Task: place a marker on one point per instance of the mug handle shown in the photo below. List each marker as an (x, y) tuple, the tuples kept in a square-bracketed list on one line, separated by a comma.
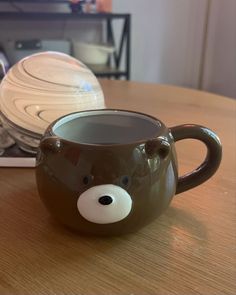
[(211, 162)]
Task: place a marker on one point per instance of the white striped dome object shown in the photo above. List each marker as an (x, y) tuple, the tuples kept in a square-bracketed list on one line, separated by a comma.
[(41, 88)]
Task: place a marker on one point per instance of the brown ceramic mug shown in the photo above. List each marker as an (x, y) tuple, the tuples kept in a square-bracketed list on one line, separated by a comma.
[(109, 172)]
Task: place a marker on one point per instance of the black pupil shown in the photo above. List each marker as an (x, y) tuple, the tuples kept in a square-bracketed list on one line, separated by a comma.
[(105, 200), (86, 180)]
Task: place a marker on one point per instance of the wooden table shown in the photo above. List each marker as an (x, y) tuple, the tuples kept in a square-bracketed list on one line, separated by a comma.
[(190, 249)]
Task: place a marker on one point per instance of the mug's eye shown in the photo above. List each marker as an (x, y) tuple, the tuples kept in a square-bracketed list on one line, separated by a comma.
[(125, 181), (104, 204), (87, 179)]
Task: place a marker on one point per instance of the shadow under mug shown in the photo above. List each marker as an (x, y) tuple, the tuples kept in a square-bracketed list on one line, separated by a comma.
[(110, 172)]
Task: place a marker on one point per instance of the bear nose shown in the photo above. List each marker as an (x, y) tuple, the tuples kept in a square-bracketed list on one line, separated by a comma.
[(105, 200)]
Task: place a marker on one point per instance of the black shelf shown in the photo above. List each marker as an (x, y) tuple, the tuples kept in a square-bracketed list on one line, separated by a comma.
[(122, 48), (17, 15)]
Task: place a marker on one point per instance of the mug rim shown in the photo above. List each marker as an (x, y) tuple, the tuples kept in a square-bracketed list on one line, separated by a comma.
[(160, 130)]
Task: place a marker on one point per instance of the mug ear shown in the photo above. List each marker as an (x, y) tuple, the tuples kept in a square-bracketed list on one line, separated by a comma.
[(50, 145), (157, 147)]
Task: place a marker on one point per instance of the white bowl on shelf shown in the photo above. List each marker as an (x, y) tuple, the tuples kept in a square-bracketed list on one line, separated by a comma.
[(92, 54)]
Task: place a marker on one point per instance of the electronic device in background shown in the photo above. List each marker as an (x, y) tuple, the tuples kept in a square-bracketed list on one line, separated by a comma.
[(16, 50)]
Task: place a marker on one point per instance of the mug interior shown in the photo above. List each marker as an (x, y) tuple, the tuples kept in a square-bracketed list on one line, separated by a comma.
[(106, 127)]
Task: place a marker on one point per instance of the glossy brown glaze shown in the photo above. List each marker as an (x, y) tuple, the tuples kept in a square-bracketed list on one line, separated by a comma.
[(66, 169), (212, 160)]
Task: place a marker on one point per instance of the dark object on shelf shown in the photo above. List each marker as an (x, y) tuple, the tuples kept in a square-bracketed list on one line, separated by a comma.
[(77, 7), (19, 49), (28, 45), (113, 68), (83, 6)]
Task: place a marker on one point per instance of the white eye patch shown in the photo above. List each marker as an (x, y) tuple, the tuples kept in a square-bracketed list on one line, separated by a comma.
[(104, 204)]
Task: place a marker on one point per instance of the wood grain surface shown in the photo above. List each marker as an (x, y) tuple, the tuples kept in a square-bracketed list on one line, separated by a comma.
[(190, 249)]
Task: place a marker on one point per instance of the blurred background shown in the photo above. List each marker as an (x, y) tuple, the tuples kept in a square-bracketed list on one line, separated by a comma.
[(184, 43)]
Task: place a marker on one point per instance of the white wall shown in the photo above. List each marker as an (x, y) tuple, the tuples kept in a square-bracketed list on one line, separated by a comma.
[(168, 43), (167, 39), (220, 62)]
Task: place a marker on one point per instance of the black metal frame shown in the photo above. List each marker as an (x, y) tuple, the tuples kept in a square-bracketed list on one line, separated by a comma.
[(124, 44), (125, 36)]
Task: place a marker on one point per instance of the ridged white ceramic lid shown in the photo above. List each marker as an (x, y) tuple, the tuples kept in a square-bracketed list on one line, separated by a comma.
[(44, 86)]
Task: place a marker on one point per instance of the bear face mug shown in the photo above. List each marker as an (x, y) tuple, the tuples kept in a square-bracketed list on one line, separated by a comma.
[(111, 172)]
